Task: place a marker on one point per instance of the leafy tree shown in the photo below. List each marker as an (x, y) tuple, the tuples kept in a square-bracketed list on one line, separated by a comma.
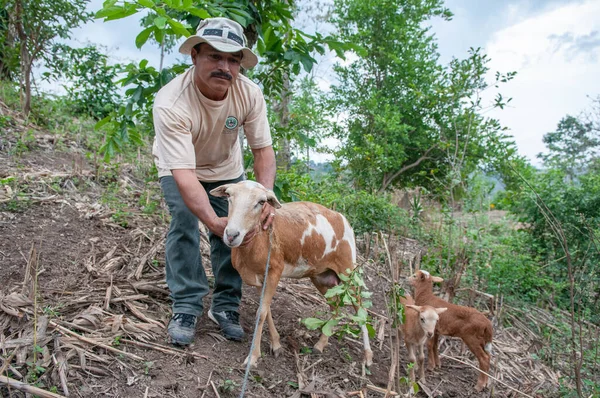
[(37, 24), (268, 24), (571, 146), (411, 121), (307, 120), (9, 61), (91, 86)]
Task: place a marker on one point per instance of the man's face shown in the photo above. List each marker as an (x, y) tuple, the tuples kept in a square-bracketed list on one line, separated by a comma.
[(215, 71)]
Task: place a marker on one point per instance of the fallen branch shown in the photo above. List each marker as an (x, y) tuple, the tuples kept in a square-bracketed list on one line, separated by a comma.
[(19, 385), (487, 374), (95, 343), (388, 393)]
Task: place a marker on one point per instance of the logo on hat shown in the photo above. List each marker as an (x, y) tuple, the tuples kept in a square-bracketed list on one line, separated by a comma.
[(231, 122), (224, 35)]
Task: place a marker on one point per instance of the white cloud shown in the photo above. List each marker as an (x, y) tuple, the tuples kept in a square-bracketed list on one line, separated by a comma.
[(556, 57)]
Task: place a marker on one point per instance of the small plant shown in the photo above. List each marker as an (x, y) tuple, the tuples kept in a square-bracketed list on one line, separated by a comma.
[(116, 341), (227, 386), (352, 291), (147, 366)]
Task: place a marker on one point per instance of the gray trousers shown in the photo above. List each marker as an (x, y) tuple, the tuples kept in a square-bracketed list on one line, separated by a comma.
[(185, 274)]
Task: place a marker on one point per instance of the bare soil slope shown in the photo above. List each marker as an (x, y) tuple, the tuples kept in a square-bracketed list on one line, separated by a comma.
[(89, 279)]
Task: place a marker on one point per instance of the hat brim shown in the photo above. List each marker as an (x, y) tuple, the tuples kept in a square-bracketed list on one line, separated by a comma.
[(249, 59)]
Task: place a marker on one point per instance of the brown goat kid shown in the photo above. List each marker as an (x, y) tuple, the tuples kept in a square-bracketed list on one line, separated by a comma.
[(419, 326), (458, 321), (308, 241)]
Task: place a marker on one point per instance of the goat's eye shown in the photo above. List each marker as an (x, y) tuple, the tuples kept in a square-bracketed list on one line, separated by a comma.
[(422, 320), (261, 202)]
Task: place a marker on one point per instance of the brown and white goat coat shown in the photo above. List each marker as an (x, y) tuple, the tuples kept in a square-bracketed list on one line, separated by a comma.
[(308, 241)]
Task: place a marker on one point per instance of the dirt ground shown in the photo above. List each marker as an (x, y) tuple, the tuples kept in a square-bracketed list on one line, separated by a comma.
[(87, 270)]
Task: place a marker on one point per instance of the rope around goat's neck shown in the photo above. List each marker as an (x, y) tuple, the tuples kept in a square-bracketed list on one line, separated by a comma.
[(260, 303)]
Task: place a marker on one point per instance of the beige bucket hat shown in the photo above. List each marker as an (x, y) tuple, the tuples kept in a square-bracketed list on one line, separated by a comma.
[(224, 35)]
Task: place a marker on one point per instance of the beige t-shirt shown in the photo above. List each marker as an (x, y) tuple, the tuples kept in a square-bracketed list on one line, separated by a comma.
[(194, 132)]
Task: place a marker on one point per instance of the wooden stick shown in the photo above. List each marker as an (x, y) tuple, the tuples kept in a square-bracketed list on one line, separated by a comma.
[(487, 374), (215, 389), (7, 362), (95, 343), (28, 388), (382, 390)]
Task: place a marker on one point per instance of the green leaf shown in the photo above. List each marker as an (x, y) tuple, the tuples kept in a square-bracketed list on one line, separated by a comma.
[(178, 27), (142, 38), (160, 22), (334, 291), (328, 327), (146, 3), (198, 12), (313, 323), (102, 122)]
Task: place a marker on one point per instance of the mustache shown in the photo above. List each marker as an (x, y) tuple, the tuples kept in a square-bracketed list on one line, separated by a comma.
[(224, 75)]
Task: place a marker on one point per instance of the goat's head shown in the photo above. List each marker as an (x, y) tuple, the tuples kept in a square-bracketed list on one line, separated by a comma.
[(246, 200), (423, 276), (428, 317)]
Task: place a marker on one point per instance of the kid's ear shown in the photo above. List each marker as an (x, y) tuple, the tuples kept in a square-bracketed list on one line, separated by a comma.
[(437, 279), (414, 307), (440, 310)]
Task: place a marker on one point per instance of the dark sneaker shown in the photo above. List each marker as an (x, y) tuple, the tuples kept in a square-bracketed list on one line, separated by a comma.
[(182, 329), (229, 321)]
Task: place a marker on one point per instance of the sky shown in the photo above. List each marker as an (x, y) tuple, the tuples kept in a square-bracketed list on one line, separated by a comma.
[(553, 45)]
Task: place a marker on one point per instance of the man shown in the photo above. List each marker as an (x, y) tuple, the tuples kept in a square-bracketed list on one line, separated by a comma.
[(196, 119)]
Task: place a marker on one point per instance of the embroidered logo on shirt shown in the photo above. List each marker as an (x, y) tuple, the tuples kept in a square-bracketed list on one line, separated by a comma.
[(231, 122)]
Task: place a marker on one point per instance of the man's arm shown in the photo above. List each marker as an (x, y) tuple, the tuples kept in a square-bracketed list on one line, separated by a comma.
[(196, 199), (265, 166), (264, 169)]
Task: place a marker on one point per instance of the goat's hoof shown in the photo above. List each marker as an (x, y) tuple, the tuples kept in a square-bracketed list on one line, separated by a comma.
[(276, 351), (252, 362), (479, 387), (369, 358), (316, 351)]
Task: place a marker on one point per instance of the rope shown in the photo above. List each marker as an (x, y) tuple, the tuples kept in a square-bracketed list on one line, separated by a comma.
[(262, 295)]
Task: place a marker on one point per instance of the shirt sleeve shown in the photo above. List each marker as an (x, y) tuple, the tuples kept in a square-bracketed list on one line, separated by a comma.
[(256, 126), (175, 149)]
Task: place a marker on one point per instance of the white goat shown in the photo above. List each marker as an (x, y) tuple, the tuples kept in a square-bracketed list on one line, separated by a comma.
[(419, 326), (308, 241)]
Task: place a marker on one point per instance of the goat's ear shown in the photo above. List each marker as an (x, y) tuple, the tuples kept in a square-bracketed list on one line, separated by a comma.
[(220, 191), (413, 307), (437, 279), (440, 310), (272, 199)]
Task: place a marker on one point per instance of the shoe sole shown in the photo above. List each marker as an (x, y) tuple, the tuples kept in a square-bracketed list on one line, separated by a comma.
[(212, 318)]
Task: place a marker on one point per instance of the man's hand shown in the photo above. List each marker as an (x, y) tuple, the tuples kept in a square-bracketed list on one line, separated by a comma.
[(267, 216), (217, 225)]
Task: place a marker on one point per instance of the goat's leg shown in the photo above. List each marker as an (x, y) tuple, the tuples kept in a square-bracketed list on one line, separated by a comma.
[(421, 363), (273, 334), (483, 357), (368, 353), (411, 359), (275, 340), (432, 352), (272, 281), (322, 286)]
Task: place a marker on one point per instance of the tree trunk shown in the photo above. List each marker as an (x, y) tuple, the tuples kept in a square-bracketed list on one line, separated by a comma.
[(284, 157), (25, 61)]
